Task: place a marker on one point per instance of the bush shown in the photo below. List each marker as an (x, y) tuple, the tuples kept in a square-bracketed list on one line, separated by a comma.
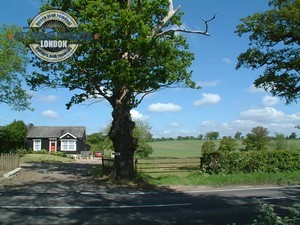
[(20, 151), (60, 154), (43, 151), (215, 162), (208, 146), (268, 216)]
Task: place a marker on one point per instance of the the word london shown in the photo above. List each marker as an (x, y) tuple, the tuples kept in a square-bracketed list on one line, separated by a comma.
[(54, 44)]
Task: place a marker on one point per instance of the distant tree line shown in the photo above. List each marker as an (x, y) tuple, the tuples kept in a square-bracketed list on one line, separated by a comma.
[(215, 135)]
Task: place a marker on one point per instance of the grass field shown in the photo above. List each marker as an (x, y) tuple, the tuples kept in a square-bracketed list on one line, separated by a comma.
[(192, 148), (177, 149)]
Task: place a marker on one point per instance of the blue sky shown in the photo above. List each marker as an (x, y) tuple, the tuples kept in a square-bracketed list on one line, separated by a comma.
[(227, 102)]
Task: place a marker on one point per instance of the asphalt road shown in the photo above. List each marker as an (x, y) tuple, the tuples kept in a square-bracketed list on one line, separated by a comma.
[(123, 206)]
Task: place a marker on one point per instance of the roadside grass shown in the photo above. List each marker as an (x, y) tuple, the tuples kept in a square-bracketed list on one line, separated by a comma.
[(40, 158), (218, 180)]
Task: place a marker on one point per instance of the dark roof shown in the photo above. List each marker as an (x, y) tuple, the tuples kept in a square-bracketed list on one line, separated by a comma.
[(55, 131)]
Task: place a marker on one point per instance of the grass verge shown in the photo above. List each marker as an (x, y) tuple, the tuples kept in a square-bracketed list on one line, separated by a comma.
[(198, 179), (30, 158)]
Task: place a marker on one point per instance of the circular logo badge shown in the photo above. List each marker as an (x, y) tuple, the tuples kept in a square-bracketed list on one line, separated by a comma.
[(53, 47)]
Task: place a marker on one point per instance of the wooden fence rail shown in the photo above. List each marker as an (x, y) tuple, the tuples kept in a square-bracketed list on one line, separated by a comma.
[(158, 165), (9, 161)]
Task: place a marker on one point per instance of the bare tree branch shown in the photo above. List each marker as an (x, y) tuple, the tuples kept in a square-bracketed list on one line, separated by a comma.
[(157, 31), (205, 32)]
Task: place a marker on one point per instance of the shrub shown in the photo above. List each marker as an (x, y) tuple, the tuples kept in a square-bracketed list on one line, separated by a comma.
[(20, 151), (208, 146), (43, 151), (268, 216), (228, 144), (215, 162), (60, 154)]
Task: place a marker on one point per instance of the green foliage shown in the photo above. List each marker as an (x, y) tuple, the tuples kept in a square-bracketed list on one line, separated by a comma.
[(126, 59), (280, 142), (268, 216), (20, 151), (228, 144), (218, 180), (258, 139), (229, 162), (274, 46), (100, 142), (13, 136), (143, 135), (293, 135), (45, 158), (213, 135), (238, 135), (13, 61), (42, 152), (208, 146), (60, 154)]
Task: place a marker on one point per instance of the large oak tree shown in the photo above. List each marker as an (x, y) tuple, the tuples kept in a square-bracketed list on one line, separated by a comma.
[(136, 52)]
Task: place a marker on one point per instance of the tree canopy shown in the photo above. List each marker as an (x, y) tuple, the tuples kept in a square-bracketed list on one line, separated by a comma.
[(13, 136), (13, 62), (258, 139), (274, 46)]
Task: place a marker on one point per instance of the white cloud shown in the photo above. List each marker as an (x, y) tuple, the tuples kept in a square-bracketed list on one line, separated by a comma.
[(227, 60), (270, 101), (263, 114), (137, 115), (208, 83), (208, 99), (294, 117), (174, 124), (162, 107), (49, 98), (50, 114)]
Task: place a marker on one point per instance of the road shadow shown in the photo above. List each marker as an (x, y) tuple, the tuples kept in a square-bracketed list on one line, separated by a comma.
[(68, 194)]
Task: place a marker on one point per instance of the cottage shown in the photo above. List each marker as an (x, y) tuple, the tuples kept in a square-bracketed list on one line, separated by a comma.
[(69, 139)]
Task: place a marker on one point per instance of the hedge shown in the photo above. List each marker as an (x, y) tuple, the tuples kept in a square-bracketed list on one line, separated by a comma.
[(229, 162)]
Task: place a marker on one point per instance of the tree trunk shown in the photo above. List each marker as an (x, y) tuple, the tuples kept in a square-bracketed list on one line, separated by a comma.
[(124, 143)]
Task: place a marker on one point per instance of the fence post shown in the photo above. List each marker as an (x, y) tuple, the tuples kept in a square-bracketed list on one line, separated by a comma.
[(136, 165)]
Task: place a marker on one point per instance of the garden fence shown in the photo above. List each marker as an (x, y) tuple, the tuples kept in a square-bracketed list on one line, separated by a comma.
[(159, 165), (9, 161)]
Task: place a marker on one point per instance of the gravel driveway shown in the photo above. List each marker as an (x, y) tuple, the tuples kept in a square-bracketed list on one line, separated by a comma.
[(54, 177)]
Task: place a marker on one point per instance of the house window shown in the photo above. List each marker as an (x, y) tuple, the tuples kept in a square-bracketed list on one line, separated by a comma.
[(68, 145), (37, 145)]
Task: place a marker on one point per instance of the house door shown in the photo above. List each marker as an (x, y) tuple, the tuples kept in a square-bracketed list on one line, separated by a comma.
[(53, 145)]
